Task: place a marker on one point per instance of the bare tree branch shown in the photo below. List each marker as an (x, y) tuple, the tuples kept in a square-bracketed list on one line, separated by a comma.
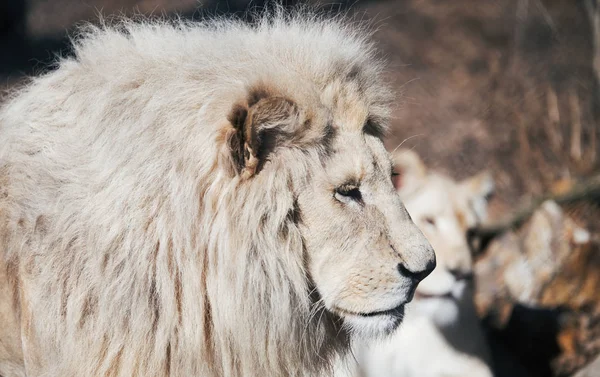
[(588, 190)]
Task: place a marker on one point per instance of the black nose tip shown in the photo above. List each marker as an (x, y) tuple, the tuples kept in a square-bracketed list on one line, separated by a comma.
[(417, 276)]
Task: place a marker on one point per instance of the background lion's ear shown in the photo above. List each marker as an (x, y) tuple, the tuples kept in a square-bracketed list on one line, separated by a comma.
[(410, 171), (268, 123), (480, 189)]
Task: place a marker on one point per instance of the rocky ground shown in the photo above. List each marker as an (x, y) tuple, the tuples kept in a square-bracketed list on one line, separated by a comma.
[(507, 85)]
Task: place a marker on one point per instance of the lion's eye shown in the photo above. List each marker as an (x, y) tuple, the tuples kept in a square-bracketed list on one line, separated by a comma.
[(346, 194), (429, 221), (396, 179), (488, 196)]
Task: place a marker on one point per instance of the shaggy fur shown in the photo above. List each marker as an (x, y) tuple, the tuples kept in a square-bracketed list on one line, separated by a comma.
[(192, 200)]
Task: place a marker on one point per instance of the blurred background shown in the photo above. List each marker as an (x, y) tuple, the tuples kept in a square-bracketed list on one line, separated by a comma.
[(508, 85)]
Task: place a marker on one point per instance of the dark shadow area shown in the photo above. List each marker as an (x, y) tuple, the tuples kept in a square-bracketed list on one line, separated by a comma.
[(527, 344), (24, 55), (13, 41)]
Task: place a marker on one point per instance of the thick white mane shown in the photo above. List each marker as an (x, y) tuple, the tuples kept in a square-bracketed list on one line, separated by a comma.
[(115, 275)]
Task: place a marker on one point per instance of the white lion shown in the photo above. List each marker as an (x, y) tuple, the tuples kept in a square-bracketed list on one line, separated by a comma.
[(204, 200), (441, 334)]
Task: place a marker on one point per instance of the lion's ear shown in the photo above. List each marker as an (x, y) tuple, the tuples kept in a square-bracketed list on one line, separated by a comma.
[(261, 126), (410, 171), (480, 189)]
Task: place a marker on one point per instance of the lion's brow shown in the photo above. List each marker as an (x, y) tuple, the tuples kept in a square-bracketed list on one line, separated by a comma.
[(373, 128)]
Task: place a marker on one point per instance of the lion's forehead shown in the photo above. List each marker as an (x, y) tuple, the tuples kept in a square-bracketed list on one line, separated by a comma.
[(359, 157), (349, 102), (349, 109), (445, 200)]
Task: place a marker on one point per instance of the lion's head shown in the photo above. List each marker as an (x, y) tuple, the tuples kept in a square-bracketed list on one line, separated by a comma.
[(445, 210), (312, 201), (363, 255)]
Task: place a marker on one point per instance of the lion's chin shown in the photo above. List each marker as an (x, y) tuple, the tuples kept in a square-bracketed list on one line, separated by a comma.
[(372, 325)]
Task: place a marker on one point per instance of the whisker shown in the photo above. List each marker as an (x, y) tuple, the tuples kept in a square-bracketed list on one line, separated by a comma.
[(408, 138), (318, 305), (318, 322)]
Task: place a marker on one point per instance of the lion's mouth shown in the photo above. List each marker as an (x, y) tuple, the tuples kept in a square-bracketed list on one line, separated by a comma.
[(425, 296), (397, 311)]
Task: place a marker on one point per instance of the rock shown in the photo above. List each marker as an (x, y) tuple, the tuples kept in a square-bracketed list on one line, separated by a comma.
[(538, 291), (591, 370)]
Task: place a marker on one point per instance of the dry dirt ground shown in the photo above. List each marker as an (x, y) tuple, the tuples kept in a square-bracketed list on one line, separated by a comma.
[(506, 85)]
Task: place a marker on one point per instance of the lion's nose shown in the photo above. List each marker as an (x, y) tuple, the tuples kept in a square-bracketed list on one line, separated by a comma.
[(417, 276)]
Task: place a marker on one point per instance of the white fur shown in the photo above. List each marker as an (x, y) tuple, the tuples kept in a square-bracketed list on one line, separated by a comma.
[(136, 238)]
